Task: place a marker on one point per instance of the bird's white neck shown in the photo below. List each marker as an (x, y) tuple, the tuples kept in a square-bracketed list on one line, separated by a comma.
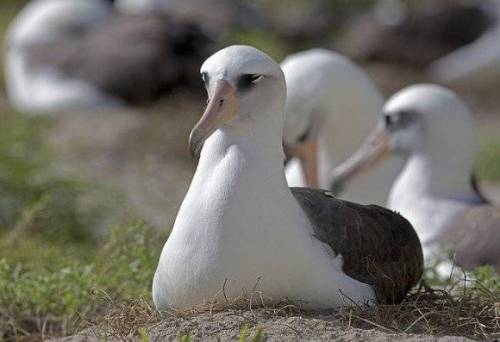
[(240, 183), (260, 144), (428, 193), (426, 174), (241, 159)]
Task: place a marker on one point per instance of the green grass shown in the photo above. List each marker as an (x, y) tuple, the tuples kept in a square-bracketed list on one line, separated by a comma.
[(32, 195), (66, 290), (488, 157), (53, 269)]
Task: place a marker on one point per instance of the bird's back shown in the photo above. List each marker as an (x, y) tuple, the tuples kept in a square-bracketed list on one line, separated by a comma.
[(133, 58), (378, 247)]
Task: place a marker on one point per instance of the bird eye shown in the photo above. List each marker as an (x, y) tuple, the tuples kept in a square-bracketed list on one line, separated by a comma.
[(390, 120), (254, 78), (248, 80)]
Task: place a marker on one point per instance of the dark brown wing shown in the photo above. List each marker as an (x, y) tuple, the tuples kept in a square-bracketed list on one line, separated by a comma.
[(134, 58), (474, 236), (378, 246)]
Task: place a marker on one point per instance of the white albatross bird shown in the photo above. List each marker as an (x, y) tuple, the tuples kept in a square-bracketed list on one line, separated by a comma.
[(65, 55), (331, 106), (241, 228), (433, 129)]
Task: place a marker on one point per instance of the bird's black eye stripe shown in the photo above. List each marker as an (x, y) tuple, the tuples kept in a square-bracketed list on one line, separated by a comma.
[(247, 81), (399, 120), (388, 120)]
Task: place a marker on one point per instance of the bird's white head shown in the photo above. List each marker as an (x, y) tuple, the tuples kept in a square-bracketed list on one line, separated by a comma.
[(246, 89), (425, 121), (431, 120)]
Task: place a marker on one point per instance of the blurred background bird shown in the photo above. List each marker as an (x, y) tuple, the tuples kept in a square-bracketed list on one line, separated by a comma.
[(433, 130), (417, 35), (332, 105), (79, 54)]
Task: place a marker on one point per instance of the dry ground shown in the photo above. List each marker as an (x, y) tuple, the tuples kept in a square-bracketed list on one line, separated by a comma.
[(227, 326)]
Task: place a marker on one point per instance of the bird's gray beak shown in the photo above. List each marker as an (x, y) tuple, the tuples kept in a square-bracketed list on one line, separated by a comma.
[(374, 149), (223, 105)]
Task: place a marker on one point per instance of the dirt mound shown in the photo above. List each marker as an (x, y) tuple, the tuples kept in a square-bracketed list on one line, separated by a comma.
[(229, 325)]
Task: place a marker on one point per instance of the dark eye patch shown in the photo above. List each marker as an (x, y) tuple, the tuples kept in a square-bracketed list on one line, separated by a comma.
[(399, 120), (247, 81), (388, 120)]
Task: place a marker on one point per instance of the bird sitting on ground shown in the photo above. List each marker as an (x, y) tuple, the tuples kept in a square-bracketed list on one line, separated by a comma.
[(241, 229)]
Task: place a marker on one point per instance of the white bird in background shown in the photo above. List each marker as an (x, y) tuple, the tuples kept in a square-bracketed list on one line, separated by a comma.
[(331, 107), (434, 131), (240, 227), (78, 54), (41, 23)]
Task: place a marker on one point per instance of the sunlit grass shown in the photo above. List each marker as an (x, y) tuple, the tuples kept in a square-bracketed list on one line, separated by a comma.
[(67, 287), (53, 268), (488, 157)]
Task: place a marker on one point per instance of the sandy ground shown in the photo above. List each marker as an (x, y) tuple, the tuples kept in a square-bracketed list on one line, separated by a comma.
[(226, 326)]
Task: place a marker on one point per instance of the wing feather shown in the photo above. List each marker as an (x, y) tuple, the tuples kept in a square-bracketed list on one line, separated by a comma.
[(379, 247), (134, 58), (474, 236)]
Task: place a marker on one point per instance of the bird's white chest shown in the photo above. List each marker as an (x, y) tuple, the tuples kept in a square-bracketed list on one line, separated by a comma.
[(237, 232), (428, 215)]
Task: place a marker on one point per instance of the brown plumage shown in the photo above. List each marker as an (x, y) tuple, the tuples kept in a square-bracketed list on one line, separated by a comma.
[(429, 30), (133, 58), (378, 247), (474, 236)]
